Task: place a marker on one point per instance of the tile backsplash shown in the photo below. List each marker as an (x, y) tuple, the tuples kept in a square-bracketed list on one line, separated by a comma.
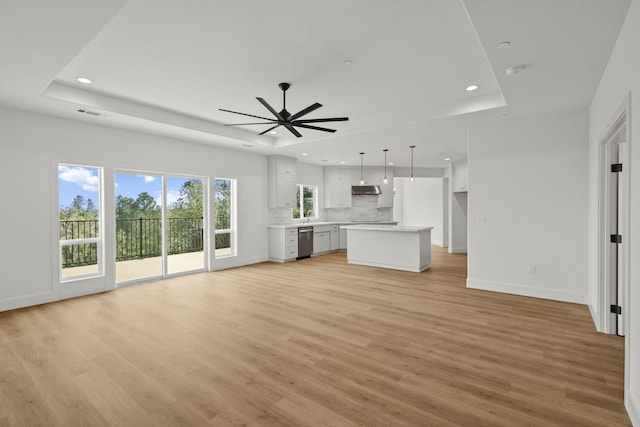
[(280, 216), (363, 208)]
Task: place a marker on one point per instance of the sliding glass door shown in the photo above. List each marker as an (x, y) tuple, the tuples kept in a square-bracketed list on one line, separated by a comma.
[(184, 225), (159, 226), (138, 207)]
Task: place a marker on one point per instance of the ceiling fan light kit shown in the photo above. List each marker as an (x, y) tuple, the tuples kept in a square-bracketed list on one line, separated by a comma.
[(286, 119)]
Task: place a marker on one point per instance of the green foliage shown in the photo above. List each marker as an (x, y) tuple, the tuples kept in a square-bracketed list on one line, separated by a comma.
[(138, 223), (222, 204), (143, 206), (79, 210), (306, 192), (189, 203)]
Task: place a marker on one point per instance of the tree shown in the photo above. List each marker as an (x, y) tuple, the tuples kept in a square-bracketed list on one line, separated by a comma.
[(223, 204), (78, 203), (143, 206), (189, 203), (91, 206)]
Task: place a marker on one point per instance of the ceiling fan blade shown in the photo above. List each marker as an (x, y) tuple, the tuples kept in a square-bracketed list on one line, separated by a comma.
[(245, 114), (271, 128), (332, 119), (270, 108), (315, 128), (306, 111), (292, 129), (260, 123)]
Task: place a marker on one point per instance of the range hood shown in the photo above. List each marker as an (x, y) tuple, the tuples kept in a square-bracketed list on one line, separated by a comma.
[(365, 190)]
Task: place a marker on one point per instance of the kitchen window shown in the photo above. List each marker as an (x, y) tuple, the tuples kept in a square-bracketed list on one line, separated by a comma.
[(306, 200)]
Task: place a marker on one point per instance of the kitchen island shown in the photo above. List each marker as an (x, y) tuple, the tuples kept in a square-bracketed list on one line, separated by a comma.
[(389, 246)]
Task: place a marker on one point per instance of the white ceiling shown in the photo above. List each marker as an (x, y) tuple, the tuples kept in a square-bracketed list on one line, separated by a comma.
[(167, 67)]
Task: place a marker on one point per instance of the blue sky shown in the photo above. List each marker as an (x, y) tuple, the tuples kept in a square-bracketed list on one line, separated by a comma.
[(84, 181), (75, 180)]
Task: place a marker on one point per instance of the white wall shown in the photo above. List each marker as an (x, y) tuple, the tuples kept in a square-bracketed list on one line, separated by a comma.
[(421, 203), (528, 206), (31, 145), (621, 77), (458, 223)]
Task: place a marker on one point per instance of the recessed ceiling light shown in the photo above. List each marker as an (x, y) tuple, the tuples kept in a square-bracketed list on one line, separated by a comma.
[(503, 45), (391, 163), (273, 132), (447, 159), (347, 62), (84, 80), (472, 87), (342, 163), (305, 154), (247, 145), (325, 160)]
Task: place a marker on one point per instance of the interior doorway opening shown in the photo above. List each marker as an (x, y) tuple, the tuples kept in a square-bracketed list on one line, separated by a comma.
[(613, 235)]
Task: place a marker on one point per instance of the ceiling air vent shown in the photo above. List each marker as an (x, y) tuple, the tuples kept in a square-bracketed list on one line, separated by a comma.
[(91, 113)]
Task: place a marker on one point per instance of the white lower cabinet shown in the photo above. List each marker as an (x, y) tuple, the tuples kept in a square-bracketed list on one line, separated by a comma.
[(322, 238), (283, 244), (335, 238), (321, 242)]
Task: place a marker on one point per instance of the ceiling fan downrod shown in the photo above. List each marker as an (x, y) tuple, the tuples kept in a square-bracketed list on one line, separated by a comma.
[(284, 113)]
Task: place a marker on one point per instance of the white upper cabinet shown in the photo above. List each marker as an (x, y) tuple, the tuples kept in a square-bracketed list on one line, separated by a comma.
[(286, 165), (282, 182), (337, 184), (460, 177)]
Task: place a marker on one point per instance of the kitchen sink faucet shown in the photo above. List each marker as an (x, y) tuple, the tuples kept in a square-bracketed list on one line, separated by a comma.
[(309, 213)]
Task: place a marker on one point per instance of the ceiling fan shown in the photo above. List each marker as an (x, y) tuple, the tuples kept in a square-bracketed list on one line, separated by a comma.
[(286, 119)]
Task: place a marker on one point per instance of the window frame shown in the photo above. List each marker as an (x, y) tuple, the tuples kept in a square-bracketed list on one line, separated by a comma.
[(232, 231), (300, 196), (98, 240)]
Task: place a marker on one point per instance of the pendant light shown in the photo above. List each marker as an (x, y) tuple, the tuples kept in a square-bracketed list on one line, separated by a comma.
[(361, 168), (385, 180), (412, 177)]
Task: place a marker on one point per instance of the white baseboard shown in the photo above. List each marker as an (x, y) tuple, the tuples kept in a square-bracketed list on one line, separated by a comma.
[(438, 243), (633, 409), (457, 250), (232, 262), (595, 317), (26, 301), (528, 291)]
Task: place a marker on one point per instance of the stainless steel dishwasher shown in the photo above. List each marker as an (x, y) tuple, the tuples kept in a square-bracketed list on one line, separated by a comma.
[(305, 242)]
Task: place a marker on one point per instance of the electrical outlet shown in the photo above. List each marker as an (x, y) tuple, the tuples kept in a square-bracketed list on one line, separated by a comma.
[(532, 268)]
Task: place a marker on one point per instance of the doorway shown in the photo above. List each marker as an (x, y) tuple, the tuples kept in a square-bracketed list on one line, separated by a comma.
[(613, 226), (160, 226)]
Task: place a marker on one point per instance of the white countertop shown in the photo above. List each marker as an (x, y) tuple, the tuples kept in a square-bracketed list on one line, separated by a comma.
[(320, 223), (395, 228)]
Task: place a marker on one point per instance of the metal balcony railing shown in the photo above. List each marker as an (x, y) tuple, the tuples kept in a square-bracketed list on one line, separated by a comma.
[(138, 238)]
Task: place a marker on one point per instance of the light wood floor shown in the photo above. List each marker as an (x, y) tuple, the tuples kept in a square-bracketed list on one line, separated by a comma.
[(316, 342)]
